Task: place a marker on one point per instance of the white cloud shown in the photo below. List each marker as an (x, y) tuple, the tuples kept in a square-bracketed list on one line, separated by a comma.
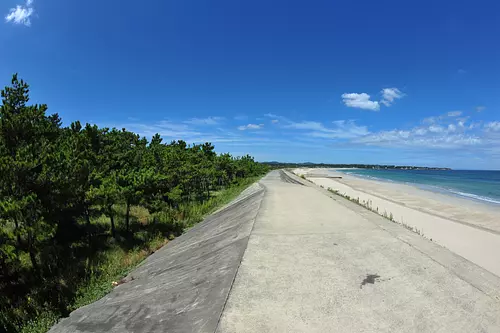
[(204, 121), (436, 129), (307, 125), (275, 121), (454, 114), (404, 134), (480, 108), (389, 95), (21, 14), (420, 131), (250, 127), (361, 101), (452, 128), (492, 126)]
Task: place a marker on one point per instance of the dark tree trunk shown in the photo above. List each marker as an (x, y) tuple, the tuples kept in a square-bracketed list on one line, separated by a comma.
[(127, 216), (112, 218), (18, 236), (32, 254), (89, 237), (89, 232), (34, 263)]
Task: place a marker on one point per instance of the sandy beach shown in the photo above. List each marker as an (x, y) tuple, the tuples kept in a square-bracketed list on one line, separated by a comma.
[(470, 229)]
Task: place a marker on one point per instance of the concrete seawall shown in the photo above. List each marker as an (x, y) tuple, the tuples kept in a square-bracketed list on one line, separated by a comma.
[(182, 287)]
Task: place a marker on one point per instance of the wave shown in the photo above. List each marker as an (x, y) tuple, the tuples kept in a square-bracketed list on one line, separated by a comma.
[(361, 175), (474, 196)]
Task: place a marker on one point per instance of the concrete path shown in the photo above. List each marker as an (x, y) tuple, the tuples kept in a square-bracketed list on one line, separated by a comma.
[(321, 264), (288, 256)]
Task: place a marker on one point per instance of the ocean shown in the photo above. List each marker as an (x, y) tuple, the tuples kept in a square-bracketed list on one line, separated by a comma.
[(478, 185)]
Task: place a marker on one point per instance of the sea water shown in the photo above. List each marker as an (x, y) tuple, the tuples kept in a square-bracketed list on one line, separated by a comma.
[(478, 185)]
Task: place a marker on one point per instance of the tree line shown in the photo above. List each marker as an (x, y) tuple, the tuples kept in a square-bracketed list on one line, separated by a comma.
[(284, 165), (58, 183)]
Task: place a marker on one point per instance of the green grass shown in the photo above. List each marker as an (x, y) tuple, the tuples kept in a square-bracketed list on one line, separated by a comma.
[(115, 263), (41, 324)]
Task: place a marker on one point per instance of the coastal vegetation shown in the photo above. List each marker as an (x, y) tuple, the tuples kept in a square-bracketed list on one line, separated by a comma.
[(81, 205), (369, 205)]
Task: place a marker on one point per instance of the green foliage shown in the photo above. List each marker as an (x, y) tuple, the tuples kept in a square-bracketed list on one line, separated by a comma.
[(81, 205)]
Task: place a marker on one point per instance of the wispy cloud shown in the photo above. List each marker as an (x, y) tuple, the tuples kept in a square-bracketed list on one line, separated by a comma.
[(419, 138), (440, 118), (307, 125), (436, 129), (340, 129), (204, 121), (277, 118), (439, 132), (492, 126), (389, 95), (431, 120), (360, 101), (454, 114), (165, 128), (251, 127), (480, 108), (21, 14), (343, 129)]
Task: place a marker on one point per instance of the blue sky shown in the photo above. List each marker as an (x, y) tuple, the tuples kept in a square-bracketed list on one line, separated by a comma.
[(324, 81)]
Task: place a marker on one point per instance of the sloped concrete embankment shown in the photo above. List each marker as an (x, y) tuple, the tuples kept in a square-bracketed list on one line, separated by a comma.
[(182, 287)]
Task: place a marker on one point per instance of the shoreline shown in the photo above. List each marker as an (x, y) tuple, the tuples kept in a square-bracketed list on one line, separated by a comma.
[(468, 228), (383, 188), (454, 193)]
